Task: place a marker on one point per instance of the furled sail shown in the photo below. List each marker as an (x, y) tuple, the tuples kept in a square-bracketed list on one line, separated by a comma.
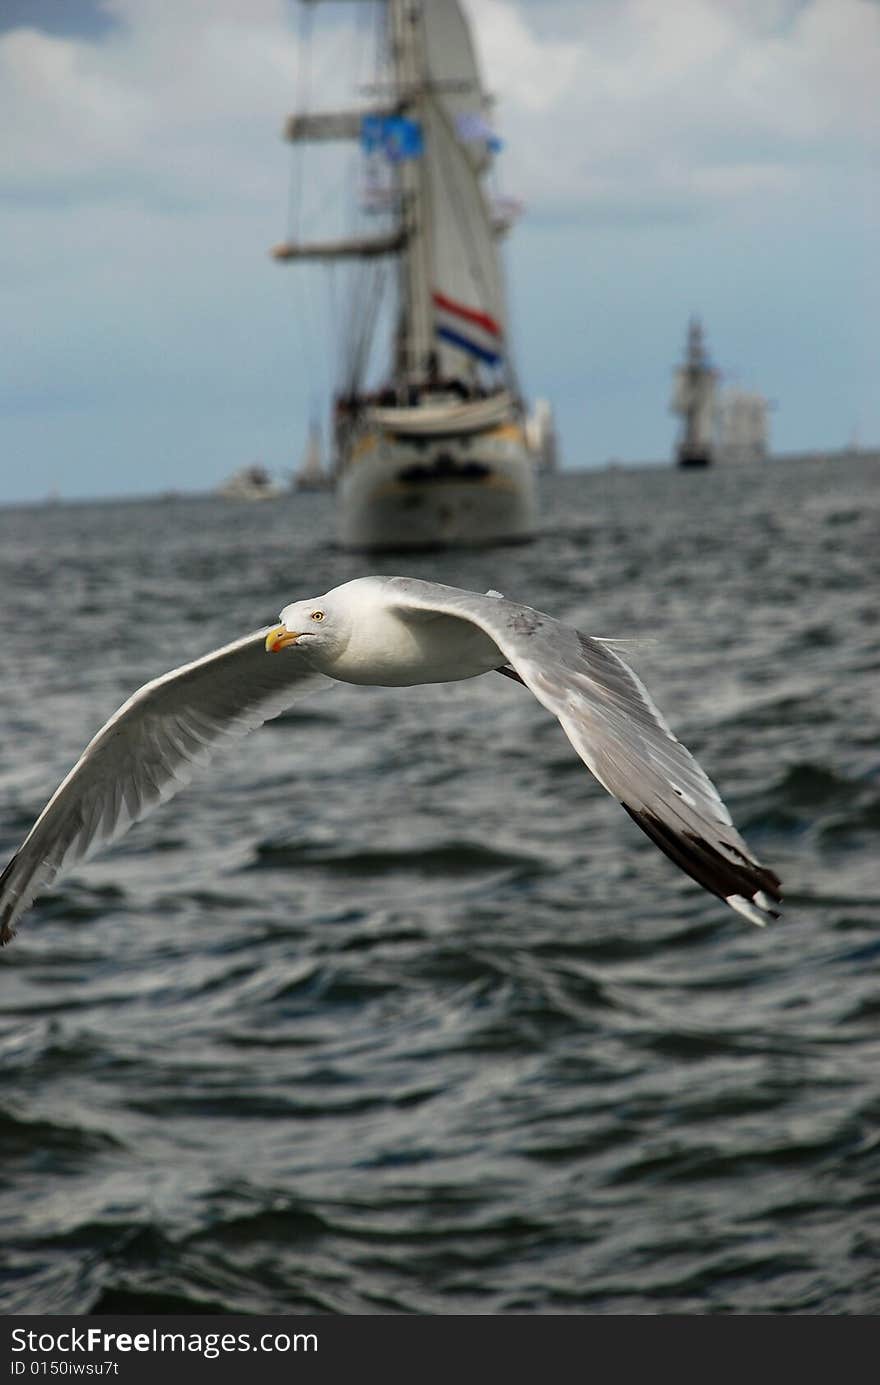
[(326, 125), (356, 247)]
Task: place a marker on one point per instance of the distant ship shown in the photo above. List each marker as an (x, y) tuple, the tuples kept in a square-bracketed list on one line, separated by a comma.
[(437, 453), (312, 475), (541, 436), (250, 483), (694, 400)]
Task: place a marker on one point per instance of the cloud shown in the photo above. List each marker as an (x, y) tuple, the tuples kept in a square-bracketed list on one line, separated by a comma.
[(699, 102), (603, 105), (152, 105)]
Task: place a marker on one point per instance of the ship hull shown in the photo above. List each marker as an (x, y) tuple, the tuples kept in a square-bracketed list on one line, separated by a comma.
[(434, 489), (694, 459)]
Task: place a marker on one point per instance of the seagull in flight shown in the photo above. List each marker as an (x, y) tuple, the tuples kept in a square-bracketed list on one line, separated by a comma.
[(393, 632)]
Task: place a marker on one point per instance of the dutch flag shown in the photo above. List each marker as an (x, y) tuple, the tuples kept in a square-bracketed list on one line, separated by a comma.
[(467, 328)]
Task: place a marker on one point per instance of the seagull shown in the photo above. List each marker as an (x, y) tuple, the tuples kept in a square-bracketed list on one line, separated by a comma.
[(393, 632)]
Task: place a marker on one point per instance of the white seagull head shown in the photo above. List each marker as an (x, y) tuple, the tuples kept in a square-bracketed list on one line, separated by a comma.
[(320, 625)]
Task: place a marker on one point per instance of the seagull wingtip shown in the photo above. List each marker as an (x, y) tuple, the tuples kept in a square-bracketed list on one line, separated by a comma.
[(757, 909)]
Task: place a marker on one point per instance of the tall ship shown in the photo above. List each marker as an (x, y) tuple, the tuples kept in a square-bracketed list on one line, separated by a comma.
[(429, 441), (694, 399)]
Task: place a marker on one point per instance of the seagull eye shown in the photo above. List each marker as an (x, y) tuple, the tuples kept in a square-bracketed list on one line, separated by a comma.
[(317, 615)]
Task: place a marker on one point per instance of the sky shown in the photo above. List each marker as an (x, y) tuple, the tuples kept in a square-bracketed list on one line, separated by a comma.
[(717, 157)]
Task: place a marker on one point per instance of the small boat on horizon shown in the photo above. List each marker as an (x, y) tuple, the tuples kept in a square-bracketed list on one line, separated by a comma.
[(250, 483)]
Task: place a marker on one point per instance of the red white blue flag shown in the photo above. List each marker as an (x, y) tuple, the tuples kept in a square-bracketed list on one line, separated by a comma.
[(469, 329)]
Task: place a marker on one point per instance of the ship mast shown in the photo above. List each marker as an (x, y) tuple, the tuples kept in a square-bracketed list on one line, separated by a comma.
[(410, 238), (450, 301), (335, 125), (408, 67)]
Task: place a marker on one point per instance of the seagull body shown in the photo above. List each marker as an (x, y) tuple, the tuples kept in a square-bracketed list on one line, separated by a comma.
[(388, 646), (392, 632)]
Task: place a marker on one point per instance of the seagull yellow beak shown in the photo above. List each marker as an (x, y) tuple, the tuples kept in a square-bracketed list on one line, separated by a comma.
[(279, 638)]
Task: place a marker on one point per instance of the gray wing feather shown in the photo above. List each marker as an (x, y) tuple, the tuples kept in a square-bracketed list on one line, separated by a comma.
[(148, 750), (622, 737)]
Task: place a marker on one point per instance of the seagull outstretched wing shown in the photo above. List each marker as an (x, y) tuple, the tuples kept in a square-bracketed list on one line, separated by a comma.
[(145, 753), (622, 737)]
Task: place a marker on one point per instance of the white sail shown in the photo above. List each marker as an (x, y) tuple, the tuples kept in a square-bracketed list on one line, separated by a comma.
[(680, 394), (467, 293), (451, 65), (704, 414), (743, 426)]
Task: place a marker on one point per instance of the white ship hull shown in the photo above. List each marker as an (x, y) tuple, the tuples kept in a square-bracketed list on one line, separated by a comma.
[(429, 489)]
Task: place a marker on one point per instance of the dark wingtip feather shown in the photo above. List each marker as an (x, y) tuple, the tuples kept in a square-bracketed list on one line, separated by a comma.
[(740, 879)]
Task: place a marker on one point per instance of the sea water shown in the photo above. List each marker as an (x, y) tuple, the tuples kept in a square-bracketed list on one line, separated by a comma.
[(395, 1010)]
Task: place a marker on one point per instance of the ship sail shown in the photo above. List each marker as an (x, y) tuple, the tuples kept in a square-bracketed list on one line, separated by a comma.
[(451, 65), (467, 295), (743, 427)]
